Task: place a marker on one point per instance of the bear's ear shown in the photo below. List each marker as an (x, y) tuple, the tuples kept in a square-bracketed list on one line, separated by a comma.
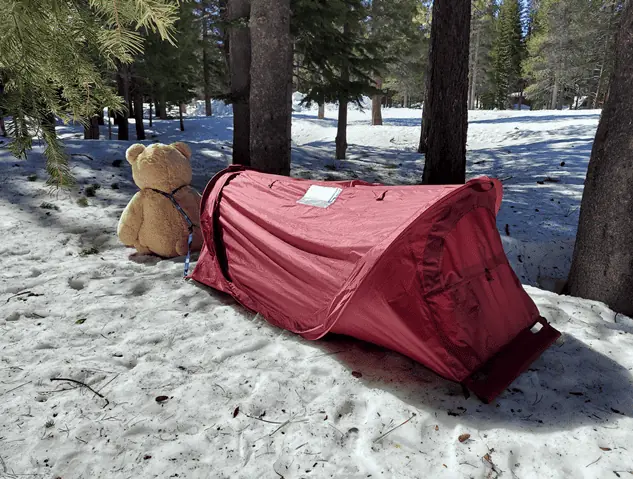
[(133, 151), (182, 148)]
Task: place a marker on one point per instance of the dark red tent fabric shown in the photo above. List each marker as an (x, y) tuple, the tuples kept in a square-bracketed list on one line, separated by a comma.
[(417, 269)]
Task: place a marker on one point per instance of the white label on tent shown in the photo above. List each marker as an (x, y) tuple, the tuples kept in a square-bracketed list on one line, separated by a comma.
[(320, 196)]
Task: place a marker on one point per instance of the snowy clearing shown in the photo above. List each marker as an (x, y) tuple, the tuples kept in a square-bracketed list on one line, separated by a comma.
[(242, 399)]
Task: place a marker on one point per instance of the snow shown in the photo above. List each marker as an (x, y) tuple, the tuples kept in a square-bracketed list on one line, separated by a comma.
[(74, 305)]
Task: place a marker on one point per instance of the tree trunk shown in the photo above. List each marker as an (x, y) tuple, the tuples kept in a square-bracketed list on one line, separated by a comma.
[(555, 94), (426, 119), (447, 101), (150, 113), (159, 108), (109, 125), (3, 128), (602, 266), (163, 107), (100, 118), (321, 114), (124, 91), (405, 100), (91, 131), (240, 67), (181, 110), (341, 129), (138, 111), (206, 75), (271, 86), (376, 104), (473, 76)]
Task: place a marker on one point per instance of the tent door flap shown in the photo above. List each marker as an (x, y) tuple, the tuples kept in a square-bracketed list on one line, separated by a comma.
[(490, 380)]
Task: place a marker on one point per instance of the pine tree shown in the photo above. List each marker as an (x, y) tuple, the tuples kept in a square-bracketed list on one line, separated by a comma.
[(602, 266), (337, 59), (482, 32), (447, 99), (271, 86), (238, 12), (507, 53), (48, 49)]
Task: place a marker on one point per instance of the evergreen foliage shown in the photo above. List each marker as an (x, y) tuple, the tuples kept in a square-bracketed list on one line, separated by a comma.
[(52, 56)]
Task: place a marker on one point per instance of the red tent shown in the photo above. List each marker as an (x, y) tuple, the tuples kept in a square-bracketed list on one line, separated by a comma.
[(417, 269)]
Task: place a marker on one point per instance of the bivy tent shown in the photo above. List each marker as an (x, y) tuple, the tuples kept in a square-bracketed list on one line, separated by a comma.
[(416, 269)]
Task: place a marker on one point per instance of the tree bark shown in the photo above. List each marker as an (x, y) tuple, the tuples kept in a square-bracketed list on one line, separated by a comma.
[(206, 75), (376, 105), (91, 131), (321, 114), (426, 119), (159, 107), (240, 67), (447, 101), (602, 265), (181, 110), (138, 111), (124, 91), (163, 107), (150, 113), (271, 86), (472, 78), (341, 129)]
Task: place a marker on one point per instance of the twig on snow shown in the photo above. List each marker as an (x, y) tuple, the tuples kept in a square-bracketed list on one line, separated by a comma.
[(592, 463), (103, 387), (393, 429), (17, 387), (30, 293), (4, 466), (468, 464), (84, 385), (263, 420)]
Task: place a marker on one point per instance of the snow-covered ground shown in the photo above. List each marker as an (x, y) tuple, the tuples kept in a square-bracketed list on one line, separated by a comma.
[(242, 399)]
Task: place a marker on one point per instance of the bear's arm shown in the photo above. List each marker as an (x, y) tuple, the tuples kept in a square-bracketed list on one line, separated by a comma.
[(131, 220)]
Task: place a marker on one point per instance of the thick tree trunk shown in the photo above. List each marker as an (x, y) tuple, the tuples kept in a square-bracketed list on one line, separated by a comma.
[(100, 118), (602, 266), (3, 129), (426, 119), (341, 129), (240, 67), (124, 91), (271, 86), (405, 100), (181, 112), (91, 131), (138, 111), (445, 159), (376, 104), (321, 114), (206, 75)]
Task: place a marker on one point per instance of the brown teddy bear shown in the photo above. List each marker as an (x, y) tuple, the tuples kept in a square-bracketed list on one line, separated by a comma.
[(164, 217)]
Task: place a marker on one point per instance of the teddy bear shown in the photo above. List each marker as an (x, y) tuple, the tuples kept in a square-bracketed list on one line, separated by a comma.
[(154, 220)]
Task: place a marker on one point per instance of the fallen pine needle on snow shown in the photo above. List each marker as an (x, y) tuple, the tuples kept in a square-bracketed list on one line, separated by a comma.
[(84, 385), (592, 463), (393, 429)]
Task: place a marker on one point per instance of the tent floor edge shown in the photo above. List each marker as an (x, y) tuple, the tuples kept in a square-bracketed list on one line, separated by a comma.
[(494, 376)]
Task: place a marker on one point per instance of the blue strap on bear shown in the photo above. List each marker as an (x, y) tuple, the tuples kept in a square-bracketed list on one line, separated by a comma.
[(190, 225)]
